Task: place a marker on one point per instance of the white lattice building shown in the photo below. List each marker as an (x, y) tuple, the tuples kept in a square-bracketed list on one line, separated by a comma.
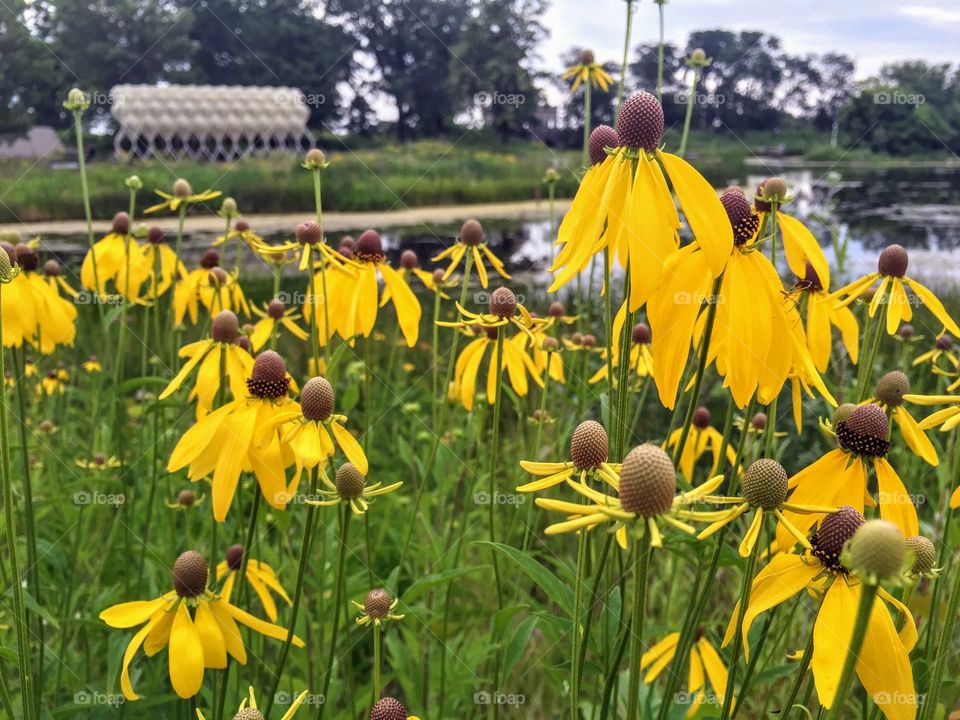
[(212, 122)]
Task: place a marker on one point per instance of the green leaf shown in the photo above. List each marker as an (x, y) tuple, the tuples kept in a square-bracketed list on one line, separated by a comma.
[(551, 585), (134, 384), (517, 644), (429, 582), (33, 606)]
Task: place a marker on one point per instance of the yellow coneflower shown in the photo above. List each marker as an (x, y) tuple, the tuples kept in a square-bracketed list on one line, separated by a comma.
[(55, 317), (185, 500), (706, 668), (51, 384), (19, 317), (646, 490), (249, 705), (799, 244), (765, 487), (757, 336), (862, 433), (891, 293), (108, 256), (702, 438), (434, 281), (941, 356), (242, 233), (198, 627), (186, 293), (377, 608), (640, 358), (220, 290), (624, 204), (588, 459), (98, 461), (514, 360), (181, 194), (261, 577), (823, 311), (354, 301), (947, 419), (350, 487), (312, 429), (92, 365), (275, 315), (471, 240), (587, 70), (210, 355), (241, 435), (389, 708), (883, 664), (156, 264)]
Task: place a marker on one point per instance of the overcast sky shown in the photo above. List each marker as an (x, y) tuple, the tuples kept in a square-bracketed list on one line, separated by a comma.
[(872, 32)]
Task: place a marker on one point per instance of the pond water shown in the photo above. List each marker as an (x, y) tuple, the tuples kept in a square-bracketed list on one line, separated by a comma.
[(865, 209)]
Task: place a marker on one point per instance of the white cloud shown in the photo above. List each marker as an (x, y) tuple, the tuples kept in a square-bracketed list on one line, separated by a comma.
[(934, 14)]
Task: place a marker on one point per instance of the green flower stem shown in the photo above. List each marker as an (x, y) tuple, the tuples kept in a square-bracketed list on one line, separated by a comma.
[(297, 593), (702, 587), (494, 456), (326, 306), (551, 212), (944, 643), (626, 54), (435, 398), (641, 568), (377, 685), (87, 213), (704, 352), (16, 589), (575, 630), (868, 352), (774, 227), (691, 98), (868, 593), (528, 524), (594, 600), (746, 587), (338, 593), (929, 626), (801, 670), (660, 4), (170, 337), (585, 153)]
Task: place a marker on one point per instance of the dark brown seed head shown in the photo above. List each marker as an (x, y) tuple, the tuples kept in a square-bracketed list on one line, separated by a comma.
[(811, 281), (602, 137), (225, 327), (243, 341), (181, 188), (877, 549), (276, 309), (377, 604), (51, 268), (865, 431), (556, 310), (701, 417), (408, 259), (234, 557), (438, 276), (241, 226), (640, 334), (759, 421), (587, 57), (906, 331), (190, 574), (210, 259), (346, 242), (186, 498), (120, 224), (588, 445), (892, 387), (648, 481), (316, 399), (503, 303), (471, 233), (765, 484), (388, 709), (26, 257), (369, 247), (550, 344), (924, 554), (309, 233), (491, 332), (155, 235), (834, 532), (576, 338), (944, 342), (268, 380), (893, 261), (742, 218), (218, 277), (640, 123), (347, 253), (349, 481), (589, 341)]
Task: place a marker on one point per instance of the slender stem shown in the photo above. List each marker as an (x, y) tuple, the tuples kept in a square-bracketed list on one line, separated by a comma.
[(745, 588), (585, 153), (87, 213), (608, 325), (338, 592), (297, 592), (801, 671), (701, 368), (641, 567), (943, 648), (691, 98), (868, 592), (376, 662), (575, 626), (528, 524), (626, 54), (660, 4), (326, 306), (19, 613)]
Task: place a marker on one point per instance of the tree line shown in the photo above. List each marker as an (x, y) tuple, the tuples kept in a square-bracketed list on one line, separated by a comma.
[(445, 65)]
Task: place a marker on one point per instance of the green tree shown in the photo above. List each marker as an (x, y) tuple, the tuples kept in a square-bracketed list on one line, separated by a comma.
[(30, 76), (490, 71)]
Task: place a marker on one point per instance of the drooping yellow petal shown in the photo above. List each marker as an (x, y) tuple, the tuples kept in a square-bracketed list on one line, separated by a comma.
[(211, 638), (883, 667), (185, 655), (916, 438), (350, 447), (832, 633), (896, 505), (933, 305), (131, 614), (406, 303), (800, 246)]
